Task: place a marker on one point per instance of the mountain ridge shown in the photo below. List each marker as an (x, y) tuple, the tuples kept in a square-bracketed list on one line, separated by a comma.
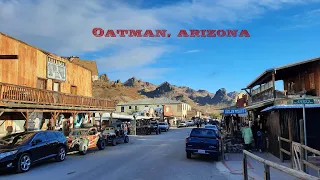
[(134, 88)]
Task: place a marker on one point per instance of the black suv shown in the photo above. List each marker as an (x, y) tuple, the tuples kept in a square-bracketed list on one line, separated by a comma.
[(20, 150)]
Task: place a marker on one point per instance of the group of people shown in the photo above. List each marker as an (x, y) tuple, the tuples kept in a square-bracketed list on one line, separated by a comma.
[(253, 134)]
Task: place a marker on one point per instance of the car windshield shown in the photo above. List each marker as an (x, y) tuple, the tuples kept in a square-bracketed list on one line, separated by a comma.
[(16, 139), (78, 133), (183, 122), (197, 132), (211, 127), (162, 123)]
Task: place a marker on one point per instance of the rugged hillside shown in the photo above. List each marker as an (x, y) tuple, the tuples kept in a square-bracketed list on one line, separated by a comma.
[(135, 89)]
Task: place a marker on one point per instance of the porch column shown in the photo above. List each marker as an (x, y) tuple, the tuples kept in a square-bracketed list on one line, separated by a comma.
[(273, 84)]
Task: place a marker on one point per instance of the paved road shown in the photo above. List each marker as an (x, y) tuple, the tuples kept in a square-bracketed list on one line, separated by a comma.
[(156, 157)]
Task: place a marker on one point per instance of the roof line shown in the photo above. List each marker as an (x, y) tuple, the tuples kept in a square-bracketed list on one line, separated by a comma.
[(283, 67), (43, 51)]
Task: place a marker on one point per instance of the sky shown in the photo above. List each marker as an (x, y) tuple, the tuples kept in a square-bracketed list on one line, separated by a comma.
[(281, 32)]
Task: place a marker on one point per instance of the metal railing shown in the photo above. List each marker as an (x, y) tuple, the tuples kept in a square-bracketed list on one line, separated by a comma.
[(268, 164), (28, 95)]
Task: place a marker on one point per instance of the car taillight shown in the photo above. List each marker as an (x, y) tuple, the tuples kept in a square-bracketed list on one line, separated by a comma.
[(187, 139)]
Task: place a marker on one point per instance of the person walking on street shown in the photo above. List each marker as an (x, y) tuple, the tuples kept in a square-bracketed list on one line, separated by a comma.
[(247, 136)]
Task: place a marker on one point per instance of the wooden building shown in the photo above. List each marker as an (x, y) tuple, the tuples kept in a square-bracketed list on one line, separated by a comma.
[(36, 83), (274, 109)]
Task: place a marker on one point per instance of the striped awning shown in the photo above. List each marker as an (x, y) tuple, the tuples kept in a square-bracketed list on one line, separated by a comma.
[(291, 106)]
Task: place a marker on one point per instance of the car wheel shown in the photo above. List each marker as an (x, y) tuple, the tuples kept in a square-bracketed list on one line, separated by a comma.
[(24, 163), (126, 139), (114, 142), (61, 156), (101, 144), (84, 150), (188, 155)]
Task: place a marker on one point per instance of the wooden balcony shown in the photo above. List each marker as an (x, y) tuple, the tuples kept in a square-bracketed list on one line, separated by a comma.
[(19, 95), (266, 96)]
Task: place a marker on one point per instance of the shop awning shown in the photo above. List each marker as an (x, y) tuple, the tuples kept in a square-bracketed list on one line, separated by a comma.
[(291, 106)]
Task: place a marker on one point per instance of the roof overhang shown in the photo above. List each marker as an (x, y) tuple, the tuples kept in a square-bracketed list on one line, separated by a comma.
[(291, 106), (282, 72)]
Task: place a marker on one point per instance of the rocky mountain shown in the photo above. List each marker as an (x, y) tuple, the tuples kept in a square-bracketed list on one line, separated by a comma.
[(135, 89)]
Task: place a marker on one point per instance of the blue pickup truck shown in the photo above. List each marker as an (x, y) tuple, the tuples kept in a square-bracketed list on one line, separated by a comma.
[(203, 141)]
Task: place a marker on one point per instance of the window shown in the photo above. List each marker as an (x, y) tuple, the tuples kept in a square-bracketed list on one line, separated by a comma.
[(129, 107), (56, 86), (146, 106), (41, 137), (202, 133), (122, 109), (51, 135), (136, 108), (41, 83), (73, 90)]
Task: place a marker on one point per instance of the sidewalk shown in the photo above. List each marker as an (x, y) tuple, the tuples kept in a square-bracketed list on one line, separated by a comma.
[(232, 167)]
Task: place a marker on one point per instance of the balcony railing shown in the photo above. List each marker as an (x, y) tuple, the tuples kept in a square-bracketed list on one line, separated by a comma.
[(265, 96), (27, 95)]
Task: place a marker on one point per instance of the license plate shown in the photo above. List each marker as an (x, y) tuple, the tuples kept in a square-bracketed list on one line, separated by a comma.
[(201, 151)]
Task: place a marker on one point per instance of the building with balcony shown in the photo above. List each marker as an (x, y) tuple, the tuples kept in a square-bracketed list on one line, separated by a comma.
[(36, 84), (275, 109)]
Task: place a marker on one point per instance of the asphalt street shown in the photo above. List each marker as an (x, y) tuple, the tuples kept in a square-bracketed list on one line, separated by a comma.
[(153, 157)]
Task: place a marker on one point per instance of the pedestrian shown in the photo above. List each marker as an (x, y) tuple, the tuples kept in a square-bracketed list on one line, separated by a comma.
[(254, 129), (259, 139), (247, 136)]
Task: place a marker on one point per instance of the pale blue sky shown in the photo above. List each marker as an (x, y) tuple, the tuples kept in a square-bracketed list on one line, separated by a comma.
[(281, 32)]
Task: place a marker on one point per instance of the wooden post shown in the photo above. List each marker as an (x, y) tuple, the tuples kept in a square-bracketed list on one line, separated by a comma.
[(222, 148), (244, 167), (26, 125), (302, 156), (54, 118), (290, 144), (273, 84), (266, 172), (100, 119), (280, 146)]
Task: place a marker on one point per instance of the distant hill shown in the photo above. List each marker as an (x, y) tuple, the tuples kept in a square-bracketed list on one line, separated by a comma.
[(135, 89)]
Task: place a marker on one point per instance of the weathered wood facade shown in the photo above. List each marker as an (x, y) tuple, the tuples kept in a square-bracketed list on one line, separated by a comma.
[(30, 69), (302, 78), (41, 90)]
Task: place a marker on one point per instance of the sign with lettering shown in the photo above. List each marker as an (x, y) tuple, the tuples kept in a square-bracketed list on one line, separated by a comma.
[(56, 69), (303, 101), (235, 111)]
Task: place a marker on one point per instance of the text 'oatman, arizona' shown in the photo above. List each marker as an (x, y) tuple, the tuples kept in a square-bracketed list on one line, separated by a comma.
[(99, 32)]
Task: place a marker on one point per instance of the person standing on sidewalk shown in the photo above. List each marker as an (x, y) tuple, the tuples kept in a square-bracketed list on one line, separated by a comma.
[(259, 139), (254, 129), (247, 136)]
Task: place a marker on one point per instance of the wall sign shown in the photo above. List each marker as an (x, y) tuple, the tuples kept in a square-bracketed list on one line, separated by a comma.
[(235, 111), (56, 69)]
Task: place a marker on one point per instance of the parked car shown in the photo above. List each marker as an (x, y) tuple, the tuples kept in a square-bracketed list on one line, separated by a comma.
[(115, 134), (214, 127), (203, 141), (182, 124), (20, 151), (190, 123), (83, 139), (164, 126)]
